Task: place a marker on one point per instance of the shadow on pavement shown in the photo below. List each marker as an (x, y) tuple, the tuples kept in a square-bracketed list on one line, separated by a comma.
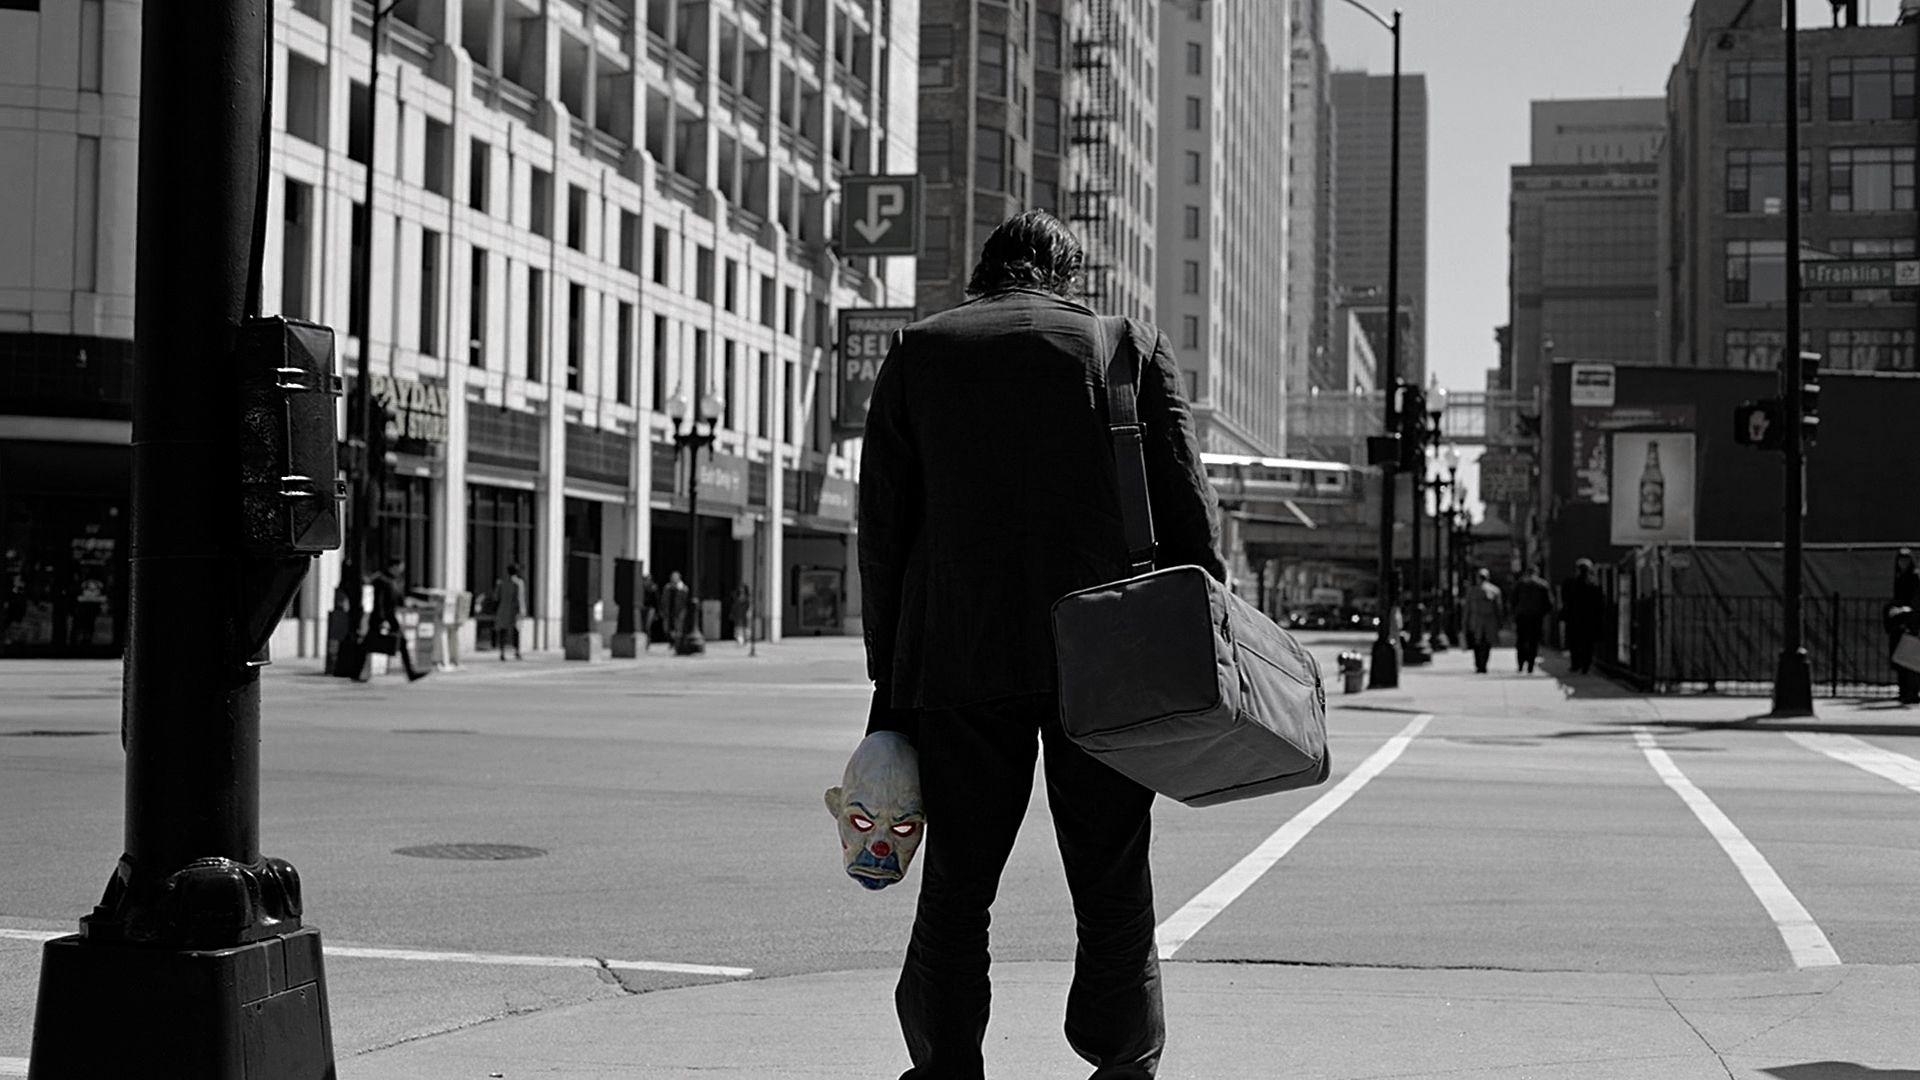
[(1839, 1070)]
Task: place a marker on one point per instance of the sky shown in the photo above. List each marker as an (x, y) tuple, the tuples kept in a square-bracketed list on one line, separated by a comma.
[(1485, 61)]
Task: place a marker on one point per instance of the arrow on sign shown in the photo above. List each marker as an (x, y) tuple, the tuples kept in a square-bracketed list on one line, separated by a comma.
[(878, 220)]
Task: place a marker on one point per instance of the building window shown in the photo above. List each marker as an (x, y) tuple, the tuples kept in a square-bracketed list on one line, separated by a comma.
[(540, 203), (576, 217), (477, 309), (629, 241), (357, 231), (576, 334), (730, 287), (1190, 222), (730, 410), (429, 293), (989, 158), (1870, 88), (702, 378), (703, 274), (623, 354), (769, 305), (1756, 271), (536, 323), (1189, 331), (1881, 247), (1757, 181), (763, 383), (1870, 178), (936, 55), (479, 176), (660, 332), (359, 137), (1190, 277), (936, 255), (1046, 123), (1046, 196), (936, 151), (1193, 166), (787, 307), (438, 163), (1046, 40), (1877, 349), (1196, 59), (662, 241), (296, 252), (306, 89), (1756, 92), (993, 64), (1756, 350), (1196, 113)]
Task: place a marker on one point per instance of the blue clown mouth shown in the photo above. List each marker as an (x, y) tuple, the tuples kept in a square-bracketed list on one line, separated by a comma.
[(874, 873)]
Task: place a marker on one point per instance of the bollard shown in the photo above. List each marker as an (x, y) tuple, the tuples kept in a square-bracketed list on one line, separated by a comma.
[(1353, 669)]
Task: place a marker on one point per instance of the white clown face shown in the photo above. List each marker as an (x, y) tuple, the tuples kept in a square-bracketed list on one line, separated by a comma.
[(877, 807)]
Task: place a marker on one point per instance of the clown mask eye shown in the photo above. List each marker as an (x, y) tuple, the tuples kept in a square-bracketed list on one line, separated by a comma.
[(906, 828), (860, 822)]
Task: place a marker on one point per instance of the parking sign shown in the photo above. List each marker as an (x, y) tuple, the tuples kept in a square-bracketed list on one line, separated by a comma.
[(880, 215)]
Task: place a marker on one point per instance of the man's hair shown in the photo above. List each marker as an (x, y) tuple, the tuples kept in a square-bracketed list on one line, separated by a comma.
[(1030, 250)]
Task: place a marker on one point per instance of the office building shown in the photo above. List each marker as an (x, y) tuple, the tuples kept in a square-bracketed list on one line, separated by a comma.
[(1222, 282), (1310, 362), (581, 211), (1583, 231), (1362, 152), (1723, 291)]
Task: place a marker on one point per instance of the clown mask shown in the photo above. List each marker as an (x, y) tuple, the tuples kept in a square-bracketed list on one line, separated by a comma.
[(877, 806)]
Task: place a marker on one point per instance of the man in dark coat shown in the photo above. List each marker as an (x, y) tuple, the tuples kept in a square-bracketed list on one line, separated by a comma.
[(389, 596), (1532, 603), (1903, 618), (987, 492), (1583, 607)]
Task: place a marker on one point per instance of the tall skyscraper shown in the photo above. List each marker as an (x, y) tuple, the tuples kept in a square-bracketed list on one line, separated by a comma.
[(581, 212), (1310, 361), (1724, 237), (1584, 271), (1362, 125), (1045, 104), (1223, 287)]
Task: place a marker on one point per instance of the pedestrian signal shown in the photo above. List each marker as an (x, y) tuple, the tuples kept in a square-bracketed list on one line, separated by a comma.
[(1758, 424)]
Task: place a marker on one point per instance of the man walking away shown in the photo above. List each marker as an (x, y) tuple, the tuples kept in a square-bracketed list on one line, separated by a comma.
[(675, 602), (1582, 607), (510, 602), (965, 543), (1532, 603), (389, 595), (649, 610), (1486, 612)]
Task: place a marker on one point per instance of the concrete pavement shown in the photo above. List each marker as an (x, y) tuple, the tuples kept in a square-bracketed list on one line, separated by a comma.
[(1265, 1020)]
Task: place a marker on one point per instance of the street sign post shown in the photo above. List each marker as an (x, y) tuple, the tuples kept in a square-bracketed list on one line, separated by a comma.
[(1860, 273), (865, 336), (880, 215)]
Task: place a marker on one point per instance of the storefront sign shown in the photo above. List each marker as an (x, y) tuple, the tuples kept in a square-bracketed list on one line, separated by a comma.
[(1591, 386), (416, 414), (723, 479), (837, 499), (865, 336), (1592, 476)]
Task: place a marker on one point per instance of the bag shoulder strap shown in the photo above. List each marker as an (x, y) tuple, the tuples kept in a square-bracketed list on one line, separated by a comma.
[(1129, 439)]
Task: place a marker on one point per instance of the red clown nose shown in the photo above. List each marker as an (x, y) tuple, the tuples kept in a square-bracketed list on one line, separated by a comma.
[(881, 849)]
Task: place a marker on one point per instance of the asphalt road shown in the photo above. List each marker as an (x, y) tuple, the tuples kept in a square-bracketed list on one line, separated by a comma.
[(677, 806)]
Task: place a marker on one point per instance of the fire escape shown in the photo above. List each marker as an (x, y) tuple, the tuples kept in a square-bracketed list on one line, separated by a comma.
[(1091, 133)]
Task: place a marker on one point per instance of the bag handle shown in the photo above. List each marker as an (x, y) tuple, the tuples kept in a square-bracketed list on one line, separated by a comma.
[(1129, 441)]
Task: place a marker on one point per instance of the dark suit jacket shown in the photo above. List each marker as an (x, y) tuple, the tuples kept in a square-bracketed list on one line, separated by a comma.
[(987, 492)]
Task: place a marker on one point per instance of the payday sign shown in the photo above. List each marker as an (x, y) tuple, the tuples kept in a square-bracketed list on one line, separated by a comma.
[(865, 336)]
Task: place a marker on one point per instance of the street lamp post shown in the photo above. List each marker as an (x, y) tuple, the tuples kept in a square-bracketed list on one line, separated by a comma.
[(1384, 671), (1442, 585), (691, 442), (1456, 543)]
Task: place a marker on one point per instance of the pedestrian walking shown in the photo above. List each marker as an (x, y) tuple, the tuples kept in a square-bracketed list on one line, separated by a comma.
[(509, 603), (676, 601), (742, 613), (1532, 603), (1486, 612), (965, 544), (1582, 608), (1903, 618), (389, 596), (649, 610)]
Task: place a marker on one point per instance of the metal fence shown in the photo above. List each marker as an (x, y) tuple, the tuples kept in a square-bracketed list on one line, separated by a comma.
[(1731, 644)]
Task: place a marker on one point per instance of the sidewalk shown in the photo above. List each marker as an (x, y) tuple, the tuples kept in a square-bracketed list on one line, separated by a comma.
[(1232, 1021)]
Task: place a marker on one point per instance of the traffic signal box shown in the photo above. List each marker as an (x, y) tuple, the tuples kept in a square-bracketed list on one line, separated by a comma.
[(1762, 423)]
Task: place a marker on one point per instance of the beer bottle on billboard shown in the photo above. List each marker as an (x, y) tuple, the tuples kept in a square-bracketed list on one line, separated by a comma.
[(1653, 491)]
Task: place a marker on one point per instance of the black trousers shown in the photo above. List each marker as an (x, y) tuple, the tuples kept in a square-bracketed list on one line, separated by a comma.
[(1526, 641), (1580, 650), (1482, 650), (976, 776)]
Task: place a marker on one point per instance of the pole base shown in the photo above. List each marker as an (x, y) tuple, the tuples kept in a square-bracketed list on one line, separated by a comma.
[(254, 1012), (690, 644), (625, 645), (1383, 673), (578, 646), (1793, 685)]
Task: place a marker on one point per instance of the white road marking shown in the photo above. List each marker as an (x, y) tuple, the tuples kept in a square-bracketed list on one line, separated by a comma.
[(364, 952), (1861, 754), (13, 1066), (1805, 942), (1182, 925)]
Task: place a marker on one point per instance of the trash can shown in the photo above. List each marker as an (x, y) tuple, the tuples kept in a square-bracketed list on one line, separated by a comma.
[(1352, 667)]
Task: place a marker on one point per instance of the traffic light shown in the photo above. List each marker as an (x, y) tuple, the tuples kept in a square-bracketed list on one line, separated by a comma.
[(1809, 398), (1758, 424), (1413, 428)]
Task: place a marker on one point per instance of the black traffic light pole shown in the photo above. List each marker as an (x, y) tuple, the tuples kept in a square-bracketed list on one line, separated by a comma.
[(195, 962), (1413, 415), (1793, 679)]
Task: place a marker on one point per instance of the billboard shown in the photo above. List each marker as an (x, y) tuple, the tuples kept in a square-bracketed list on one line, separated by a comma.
[(1653, 487), (865, 336)]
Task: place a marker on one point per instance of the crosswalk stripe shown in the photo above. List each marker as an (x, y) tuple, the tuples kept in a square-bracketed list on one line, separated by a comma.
[(1180, 927), (1861, 754), (1805, 941)]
